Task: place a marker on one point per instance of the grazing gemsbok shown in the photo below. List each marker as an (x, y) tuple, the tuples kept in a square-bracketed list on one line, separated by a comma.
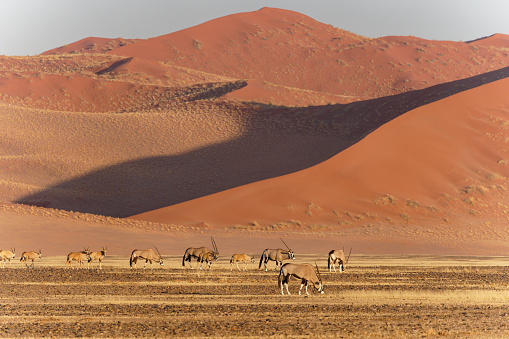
[(148, 255), (30, 255), (99, 255), (200, 254), (236, 258), (78, 256), (7, 255), (338, 256), (305, 272), (277, 255)]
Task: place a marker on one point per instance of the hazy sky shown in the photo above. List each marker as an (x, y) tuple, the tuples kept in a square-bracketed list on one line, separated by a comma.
[(29, 27)]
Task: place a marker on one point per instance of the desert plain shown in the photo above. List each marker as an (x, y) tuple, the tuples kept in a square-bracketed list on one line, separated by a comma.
[(252, 128), (377, 296)]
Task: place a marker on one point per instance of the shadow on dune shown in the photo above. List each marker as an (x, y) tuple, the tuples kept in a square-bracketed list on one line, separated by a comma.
[(278, 141)]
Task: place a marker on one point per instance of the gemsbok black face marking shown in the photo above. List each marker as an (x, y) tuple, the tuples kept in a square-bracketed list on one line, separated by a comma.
[(201, 254), (339, 257), (305, 272), (277, 255), (148, 255)]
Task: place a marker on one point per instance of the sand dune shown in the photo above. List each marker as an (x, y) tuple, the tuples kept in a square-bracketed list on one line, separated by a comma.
[(286, 48), (263, 123), (438, 165), (290, 49), (173, 156)]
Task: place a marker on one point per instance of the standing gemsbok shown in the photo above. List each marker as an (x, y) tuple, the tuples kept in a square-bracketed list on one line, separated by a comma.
[(338, 256), (148, 255), (99, 256), (7, 255), (30, 255), (200, 253), (78, 256), (277, 255), (305, 272), (236, 258)]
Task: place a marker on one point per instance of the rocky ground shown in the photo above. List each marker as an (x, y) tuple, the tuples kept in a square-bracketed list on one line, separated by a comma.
[(369, 300)]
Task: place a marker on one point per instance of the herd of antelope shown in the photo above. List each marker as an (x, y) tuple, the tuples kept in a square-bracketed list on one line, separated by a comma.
[(305, 272)]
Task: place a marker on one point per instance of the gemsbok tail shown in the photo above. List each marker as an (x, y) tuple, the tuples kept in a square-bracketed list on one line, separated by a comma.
[(184, 259), (131, 259), (261, 260), (329, 260)]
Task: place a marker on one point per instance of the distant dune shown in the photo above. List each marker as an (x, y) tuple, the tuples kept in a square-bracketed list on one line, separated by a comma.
[(284, 48), (267, 121)]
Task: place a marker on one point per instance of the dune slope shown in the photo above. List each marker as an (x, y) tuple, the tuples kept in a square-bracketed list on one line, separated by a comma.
[(443, 164)]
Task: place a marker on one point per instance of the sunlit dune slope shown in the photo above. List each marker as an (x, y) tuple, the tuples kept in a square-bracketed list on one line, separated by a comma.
[(441, 164), (101, 83)]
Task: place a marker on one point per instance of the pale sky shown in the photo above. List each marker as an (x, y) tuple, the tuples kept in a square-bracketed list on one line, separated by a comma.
[(29, 27)]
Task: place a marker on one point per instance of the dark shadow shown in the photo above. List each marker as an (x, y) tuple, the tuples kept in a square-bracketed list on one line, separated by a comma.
[(278, 141)]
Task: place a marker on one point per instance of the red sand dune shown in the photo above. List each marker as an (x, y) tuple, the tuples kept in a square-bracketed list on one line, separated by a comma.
[(285, 48), (454, 149), (290, 49)]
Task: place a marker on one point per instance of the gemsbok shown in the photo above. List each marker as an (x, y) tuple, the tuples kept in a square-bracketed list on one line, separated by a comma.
[(277, 255), (338, 256), (78, 256), (305, 272), (199, 254), (99, 256), (30, 255), (148, 255), (7, 255), (244, 258), (207, 258)]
